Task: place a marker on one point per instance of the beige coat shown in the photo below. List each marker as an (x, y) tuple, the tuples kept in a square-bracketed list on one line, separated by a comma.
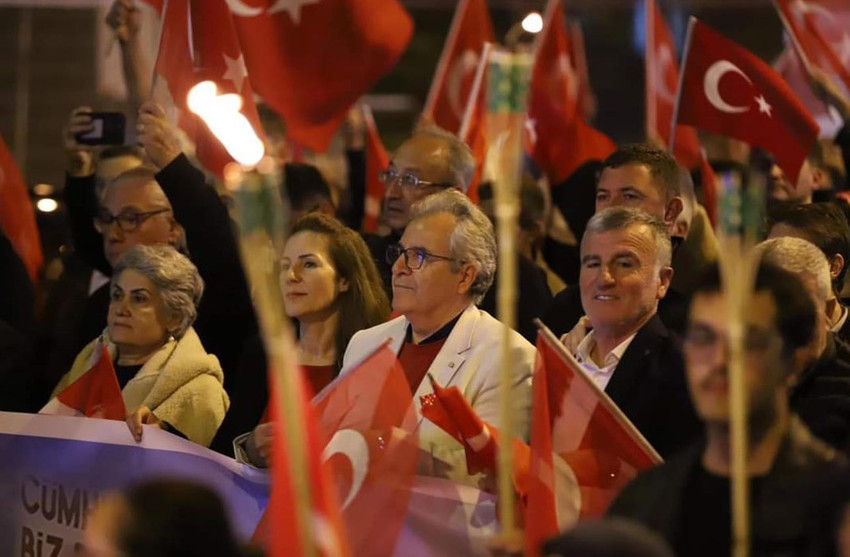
[(180, 383)]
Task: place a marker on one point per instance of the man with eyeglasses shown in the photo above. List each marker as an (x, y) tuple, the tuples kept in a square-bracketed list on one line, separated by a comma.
[(687, 499), (144, 206), (430, 161), (630, 354), (442, 266)]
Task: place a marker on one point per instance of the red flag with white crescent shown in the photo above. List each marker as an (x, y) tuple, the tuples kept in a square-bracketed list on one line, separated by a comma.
[(728, 90), (370, 420), (310, 60), (471, 28), (562, 140), (820, 33)]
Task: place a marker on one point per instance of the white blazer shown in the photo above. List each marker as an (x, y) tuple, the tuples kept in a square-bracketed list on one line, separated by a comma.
[(470, 360)]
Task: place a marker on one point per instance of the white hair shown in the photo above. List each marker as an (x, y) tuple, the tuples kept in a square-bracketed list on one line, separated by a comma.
[(175, 278), (803, 259), (472, 240)]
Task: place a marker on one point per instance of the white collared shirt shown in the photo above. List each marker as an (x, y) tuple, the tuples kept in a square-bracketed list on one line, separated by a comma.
[(601, 375)]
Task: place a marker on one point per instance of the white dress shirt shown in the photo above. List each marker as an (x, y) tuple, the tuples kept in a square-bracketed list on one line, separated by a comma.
[(601, 375)]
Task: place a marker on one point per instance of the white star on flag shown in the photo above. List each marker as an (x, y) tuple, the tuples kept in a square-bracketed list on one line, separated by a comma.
[(764, 107), (236, 71), (293, 7)]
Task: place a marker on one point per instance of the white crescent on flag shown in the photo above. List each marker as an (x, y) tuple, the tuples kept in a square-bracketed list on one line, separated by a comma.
[(711, 84), (352, 445), (665, 58), (467, 62), (242, 10)]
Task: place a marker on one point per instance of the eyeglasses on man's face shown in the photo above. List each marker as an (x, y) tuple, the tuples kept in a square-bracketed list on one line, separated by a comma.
[(128, 221), (414, 257), (407, 180)]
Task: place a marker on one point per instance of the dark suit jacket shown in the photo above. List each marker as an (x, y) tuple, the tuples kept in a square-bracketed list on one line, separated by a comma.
[(649, 387), (821, 396), (655, 498)]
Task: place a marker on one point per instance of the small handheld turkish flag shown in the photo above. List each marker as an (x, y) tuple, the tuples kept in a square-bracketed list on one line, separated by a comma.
[(728, 90)]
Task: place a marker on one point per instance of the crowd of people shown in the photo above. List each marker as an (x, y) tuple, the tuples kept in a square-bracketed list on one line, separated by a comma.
[(620, 261)]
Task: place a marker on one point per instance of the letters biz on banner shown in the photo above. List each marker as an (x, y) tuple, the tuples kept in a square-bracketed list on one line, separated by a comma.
[(55, 468)]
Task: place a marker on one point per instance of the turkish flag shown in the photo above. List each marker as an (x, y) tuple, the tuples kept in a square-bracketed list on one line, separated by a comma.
[(819, 32), (728, 90), (473, 129), (450, 88), (790, 67), (562, 140), (369, 417), (377, 160), (583, 449), (278, 530), (662, 80), (217, 57), (95, 394), (310, 60), (17, 218)]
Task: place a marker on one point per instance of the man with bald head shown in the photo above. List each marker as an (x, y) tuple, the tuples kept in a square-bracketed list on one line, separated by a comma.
[(428, 162)]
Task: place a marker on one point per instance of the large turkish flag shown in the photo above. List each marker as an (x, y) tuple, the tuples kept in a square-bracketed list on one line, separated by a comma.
[(310, 60), (728, 90)]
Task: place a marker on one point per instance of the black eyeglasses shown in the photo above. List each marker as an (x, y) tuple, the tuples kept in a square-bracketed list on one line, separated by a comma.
[(407, 180), (414, 258), (128, 221)]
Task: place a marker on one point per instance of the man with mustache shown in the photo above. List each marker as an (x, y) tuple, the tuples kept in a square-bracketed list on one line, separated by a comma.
[(625, 271), (687, 499), (442, 266)]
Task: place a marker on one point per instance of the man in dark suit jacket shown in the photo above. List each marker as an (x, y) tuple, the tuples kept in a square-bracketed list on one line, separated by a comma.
[(625, 271), (687, 499)]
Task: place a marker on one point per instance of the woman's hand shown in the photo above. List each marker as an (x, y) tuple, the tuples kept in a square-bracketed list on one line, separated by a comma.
[(143, 415), (572, 339), (260, 443)]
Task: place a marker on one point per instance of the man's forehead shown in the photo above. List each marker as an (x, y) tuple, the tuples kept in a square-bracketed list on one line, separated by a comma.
[(435, 228), (138, 190), (635, 239), (421, 151), (635, 175), (710, 308)]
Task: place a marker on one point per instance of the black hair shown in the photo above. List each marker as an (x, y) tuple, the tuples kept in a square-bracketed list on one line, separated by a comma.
[(824, 225), (796, 315), (303, 184), (662, 166), (176, 518)]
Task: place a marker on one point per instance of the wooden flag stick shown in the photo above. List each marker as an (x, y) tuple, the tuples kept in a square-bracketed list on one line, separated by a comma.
[(507, 93), (737, 234), (262, 227)]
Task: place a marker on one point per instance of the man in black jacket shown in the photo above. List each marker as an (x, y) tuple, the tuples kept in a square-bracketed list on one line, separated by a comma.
[(625, 271), (643, 177), (687, 499)]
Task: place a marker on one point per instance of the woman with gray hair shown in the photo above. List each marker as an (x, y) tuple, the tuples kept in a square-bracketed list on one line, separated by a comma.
[(167, 378)]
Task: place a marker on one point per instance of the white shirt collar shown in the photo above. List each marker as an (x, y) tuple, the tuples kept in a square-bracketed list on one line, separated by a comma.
[(601, 374)]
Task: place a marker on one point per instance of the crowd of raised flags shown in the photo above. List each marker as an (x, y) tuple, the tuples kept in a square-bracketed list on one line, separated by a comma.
[(582, 449)]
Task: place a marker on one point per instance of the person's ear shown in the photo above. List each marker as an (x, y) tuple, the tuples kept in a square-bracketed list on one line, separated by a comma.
[(836, 264), (344, 285), (468, 274), (673, 210), (665, 277)]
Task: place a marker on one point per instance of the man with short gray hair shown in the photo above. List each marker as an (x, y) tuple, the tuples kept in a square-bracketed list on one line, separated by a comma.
[(443, 264), (625, 270), (820, 388)]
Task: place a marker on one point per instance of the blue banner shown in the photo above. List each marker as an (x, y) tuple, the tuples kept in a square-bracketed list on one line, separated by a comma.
[(53, 470)]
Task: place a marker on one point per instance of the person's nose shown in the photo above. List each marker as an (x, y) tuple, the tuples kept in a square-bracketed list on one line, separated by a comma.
[(394, 189), (113, 232), (606, 278), (399, 266)]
